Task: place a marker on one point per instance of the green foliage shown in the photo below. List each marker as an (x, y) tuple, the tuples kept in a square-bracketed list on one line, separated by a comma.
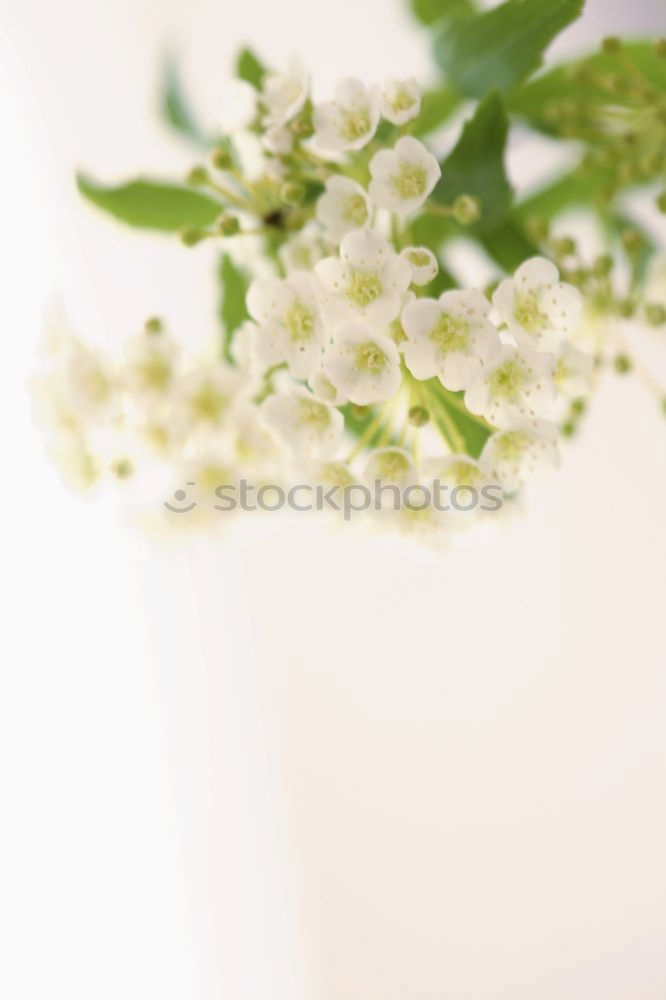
[(250, 68), (476, 165), (174, 106), (151, 204), (234, 284), (432, 11), (448, 410), (499, 48), (436, 107)]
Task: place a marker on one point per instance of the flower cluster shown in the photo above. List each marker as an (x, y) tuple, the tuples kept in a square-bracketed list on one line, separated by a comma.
[(358, 362)]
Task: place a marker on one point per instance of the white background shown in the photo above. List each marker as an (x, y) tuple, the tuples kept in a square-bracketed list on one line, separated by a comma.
[(431, 778)]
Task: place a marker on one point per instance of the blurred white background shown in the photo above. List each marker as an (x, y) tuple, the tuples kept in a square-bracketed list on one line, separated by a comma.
[(305, 767)]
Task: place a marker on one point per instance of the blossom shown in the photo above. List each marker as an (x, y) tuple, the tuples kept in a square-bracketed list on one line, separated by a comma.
[(343, 206), (367, 280), (539, 309), (517, 384), (573, 371), (302, 250), (514, 454), (279, 140), (457, 470), (290, 326), (284, 94), (239, 106), (323, 388), (403, 177), (451, 338), (363, 365), (151, 366), (205, 399), (308, 426), (390, 466), (350, 120), (402, 100), (423, 264)]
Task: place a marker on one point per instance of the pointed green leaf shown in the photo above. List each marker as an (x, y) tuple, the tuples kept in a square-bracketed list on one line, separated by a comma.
[(174, 105), (250, 68), (234, 284), (431, 11), (476, 165), (150, 204), (436, 107), (499, 48)]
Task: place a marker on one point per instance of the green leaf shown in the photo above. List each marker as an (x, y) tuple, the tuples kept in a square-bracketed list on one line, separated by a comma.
[(150, 204), (233, 311), (250, 68), (430, 11), (499, 48), (436, 107), (174, 105), (473, 430), (574, 85), (476, 165), (586, 185), (508, 245)]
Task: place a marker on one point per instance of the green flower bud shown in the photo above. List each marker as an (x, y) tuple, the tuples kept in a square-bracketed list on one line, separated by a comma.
[(568, 428), (154, 325), (603, 265), (197, 176), (221, 158), (466, 209), (660, 47), (190, 236), (622, 364), (292, 193), (626, 308), (578, 406), (611, 44), (655, 314), (563, 246), (418, 416), (631, 240), (661, 202), (228, 225)]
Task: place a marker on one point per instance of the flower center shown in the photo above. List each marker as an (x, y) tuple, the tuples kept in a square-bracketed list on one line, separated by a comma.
[(450, 334), (507, 380), (392, 465), (314, 414), (370, 359), (356, 210), (411, 181), (419, 258), (526, 311), (511, 445), (364, 287), (155, 372), (209, 403), (402, 101), (356, 124), (96, 385), (463, 473), (300, 321)]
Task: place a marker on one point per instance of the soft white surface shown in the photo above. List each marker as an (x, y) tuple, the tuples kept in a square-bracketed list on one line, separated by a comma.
[(467, 758)]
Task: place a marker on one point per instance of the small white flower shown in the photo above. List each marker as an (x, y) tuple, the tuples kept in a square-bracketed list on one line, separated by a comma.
[(74, 385), (540, 310), (324, 389), (390, 466), (278, 140), (151, 366), (573, 371), (302, 250), (239, 106), (394, 330), (307, 426), (243, 348), (514, 454), (367, 281), (363, 365), (403, 177), (451, 338), (343, 206), (290, 325), (457, 470), (516, 385), (205, 400), (350, 120), (402, 100), (284, 94), (423, 264)]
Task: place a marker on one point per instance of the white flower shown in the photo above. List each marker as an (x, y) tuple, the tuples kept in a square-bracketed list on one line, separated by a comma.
[(403, 177), (390, 466), (284, 94), (573, 371), (205, 400), (74, 385), (324, 389), (363, 365), (423, 264), (278, 140), (151, 366), (302, 250), (343, 206), (451, 338), (540, 310), (307, 426), (518, 384), (239, 106), (457, 470), (290, 325), (366, 281), (402, 100), (350, 120), (243, 348), (514, 454), (394, 330)]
